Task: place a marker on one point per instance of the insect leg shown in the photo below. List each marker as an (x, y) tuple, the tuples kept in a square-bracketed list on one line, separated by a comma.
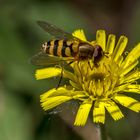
[(70, 62), (61, 76), (106, 54), (90, 65)]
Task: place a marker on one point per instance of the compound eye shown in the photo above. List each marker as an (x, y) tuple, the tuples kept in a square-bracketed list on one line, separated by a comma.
[(97, 51)]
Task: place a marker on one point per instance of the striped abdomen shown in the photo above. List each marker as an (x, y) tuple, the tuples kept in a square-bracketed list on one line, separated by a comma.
[(64, 48)]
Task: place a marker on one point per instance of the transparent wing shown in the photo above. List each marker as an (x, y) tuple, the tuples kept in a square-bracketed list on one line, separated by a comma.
[(55, 31), (42, 59)]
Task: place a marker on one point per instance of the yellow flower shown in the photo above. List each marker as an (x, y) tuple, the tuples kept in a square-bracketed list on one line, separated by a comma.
[(100, 88)]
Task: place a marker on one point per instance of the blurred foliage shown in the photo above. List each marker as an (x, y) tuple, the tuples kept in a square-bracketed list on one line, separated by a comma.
[(21, 117)]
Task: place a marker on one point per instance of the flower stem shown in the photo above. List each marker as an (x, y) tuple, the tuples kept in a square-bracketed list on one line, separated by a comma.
[(103, 135)]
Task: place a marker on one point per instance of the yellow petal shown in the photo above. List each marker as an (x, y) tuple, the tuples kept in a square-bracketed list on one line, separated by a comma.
[(52, 102), (79, 34), (131, 77), (55, 92), (119, 60), (132, 56), (120, 88), (101, 38), (110, 43), (82, 114), (128, 68), (62, 91), (120, 47), (77, 94), (128, 102), (47, 73), (52, 72), (75, 85), (113, 110), (132, 88), (99, 112)]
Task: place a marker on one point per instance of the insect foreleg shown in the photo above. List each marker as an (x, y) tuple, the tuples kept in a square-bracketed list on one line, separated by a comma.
[(90, 65)]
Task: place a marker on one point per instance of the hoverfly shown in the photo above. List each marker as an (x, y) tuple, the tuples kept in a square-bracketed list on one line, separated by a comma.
[(65, 47)]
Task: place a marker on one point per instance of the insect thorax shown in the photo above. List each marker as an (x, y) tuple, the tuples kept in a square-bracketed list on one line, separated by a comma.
[(85, 51)]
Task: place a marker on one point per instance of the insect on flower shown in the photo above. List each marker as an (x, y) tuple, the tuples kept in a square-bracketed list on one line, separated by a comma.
[(99, 90), (66, 47)]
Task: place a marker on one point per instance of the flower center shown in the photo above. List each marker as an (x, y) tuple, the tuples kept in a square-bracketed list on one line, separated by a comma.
[(97, 76), (99, 81)]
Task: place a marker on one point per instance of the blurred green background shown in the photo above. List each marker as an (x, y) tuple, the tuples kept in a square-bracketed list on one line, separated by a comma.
[(21, 117)]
